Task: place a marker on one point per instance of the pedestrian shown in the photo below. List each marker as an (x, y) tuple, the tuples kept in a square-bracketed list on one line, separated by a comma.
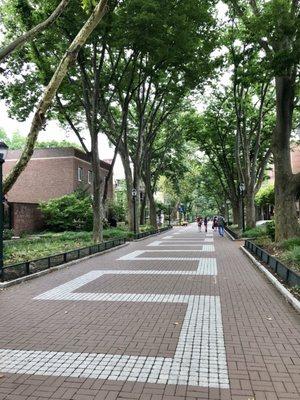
[(200, 224), (215, 223), (205, 223), (221, 225)]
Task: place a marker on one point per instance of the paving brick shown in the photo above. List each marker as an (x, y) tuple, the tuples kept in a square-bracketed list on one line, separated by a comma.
[(259, 331)]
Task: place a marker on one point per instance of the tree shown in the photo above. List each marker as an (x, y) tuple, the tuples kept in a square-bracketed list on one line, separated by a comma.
[(251, 96), (275, 26), (213, 133), (9, 11), (172, 60), (165, 153), (18, 141), (66, 61)]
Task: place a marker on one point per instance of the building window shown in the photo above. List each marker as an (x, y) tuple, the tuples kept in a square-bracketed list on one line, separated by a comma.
[(90, 176), (80, 174)]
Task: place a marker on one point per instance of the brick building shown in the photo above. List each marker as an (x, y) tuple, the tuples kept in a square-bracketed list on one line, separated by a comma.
[(50, 173)]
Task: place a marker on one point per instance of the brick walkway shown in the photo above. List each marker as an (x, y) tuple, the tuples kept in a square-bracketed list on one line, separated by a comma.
[(183, 315)]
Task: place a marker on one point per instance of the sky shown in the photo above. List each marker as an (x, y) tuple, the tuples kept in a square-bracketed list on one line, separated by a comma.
[(53, 130)]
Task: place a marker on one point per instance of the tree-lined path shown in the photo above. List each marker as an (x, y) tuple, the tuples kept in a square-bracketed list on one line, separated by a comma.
[(183, 315)]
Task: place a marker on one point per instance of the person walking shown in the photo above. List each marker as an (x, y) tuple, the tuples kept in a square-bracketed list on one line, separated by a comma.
[(215, 223), (205, 223), (200, 224), (221, 225)]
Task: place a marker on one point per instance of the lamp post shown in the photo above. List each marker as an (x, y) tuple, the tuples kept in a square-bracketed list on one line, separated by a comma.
[(134, 193), (242, 192), (3, 153)]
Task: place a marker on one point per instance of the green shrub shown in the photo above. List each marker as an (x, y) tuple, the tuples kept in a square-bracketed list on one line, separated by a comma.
[(115, 210), (8, 234), (255, 232), (69, 212), (290, 243), (293, 255), (270, 229)]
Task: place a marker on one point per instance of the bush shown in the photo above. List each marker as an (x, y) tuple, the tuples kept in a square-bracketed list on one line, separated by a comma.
[(270, 229), (115, 210), (69, 212), (290, 243), (255, 232), (293, 255), (8, 234)]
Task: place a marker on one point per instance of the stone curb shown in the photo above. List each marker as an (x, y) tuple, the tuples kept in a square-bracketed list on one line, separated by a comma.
[(228, 234), (4, 285), (286, 294)]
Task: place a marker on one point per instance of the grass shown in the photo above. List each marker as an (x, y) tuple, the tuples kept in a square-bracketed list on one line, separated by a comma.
[(50, 243)]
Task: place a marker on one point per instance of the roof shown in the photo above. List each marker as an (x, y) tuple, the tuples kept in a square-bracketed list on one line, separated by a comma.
[(56, 152)]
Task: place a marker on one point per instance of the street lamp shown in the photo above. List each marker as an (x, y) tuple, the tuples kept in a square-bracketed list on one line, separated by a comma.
[(3, 153), (242, 188), (134, 194)]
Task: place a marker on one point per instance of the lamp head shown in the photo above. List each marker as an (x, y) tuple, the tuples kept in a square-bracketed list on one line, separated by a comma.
[(3, 150)]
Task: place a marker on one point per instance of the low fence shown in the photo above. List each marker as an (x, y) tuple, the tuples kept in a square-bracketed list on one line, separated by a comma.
[(152, 232), (19, 270), (288, 276), (25, 268)]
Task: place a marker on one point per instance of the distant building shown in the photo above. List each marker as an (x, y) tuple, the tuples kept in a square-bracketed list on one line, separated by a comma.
[(50, 173), (267, 212), (295, 162)]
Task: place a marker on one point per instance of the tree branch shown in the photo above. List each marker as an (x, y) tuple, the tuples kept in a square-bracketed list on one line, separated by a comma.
[(21, 40)]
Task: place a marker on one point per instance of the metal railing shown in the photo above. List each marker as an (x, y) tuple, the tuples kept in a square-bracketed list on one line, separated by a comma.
[(24, 268), (232, 233), (287, 275), (14, 271), (151, 232)]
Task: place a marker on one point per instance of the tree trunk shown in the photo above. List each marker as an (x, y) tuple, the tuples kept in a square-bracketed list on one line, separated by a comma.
[(152, 205), (152, 208), (235, 212), (137, 187), (250, 210), (240, 213), (129, 187), (97, 193), (68, 59), (286, 220)]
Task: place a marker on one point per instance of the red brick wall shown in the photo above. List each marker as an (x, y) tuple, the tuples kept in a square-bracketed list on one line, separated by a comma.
[(50, 173), (26, 218), (42, 179)]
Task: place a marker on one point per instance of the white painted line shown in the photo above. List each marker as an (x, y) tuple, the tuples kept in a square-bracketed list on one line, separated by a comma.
[(157, 244), (206, 266), (199, 360), (200, 356), (134, 255)]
